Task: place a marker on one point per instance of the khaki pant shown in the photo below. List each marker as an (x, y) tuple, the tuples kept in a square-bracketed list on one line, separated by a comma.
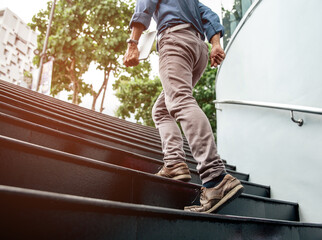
[(183, 59)]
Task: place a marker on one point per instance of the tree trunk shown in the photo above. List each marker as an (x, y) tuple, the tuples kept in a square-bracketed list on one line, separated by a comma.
[(94, 94), (106, 76), (74, 82), (104, 84)]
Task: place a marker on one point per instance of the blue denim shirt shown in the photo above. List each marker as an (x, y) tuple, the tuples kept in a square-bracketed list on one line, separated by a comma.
[(168, 13)]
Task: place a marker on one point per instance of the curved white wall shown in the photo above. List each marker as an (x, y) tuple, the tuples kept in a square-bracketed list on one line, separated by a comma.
[(276, 57)]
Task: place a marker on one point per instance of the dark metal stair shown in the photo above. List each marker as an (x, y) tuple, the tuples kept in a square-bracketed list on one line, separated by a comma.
[(46, 169), (34, 133), (47, 215), (87, 132), (147, 134), (67, 172), (69, 110), (80, 111)]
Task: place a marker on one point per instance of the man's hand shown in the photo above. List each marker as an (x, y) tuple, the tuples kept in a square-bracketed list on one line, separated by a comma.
[(217, 54), (131, 57)]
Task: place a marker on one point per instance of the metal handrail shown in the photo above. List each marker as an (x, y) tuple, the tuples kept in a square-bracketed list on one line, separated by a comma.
[(288, 107)]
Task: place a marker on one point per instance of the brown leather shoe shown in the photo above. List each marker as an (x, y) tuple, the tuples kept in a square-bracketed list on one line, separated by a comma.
[(213, 199), (179, 171)]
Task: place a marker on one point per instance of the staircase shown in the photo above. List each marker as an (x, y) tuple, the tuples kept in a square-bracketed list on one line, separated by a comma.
[(67, 172)]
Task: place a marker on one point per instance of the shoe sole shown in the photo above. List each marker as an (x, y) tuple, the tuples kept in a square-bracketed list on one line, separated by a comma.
[(230, 196), (184, 178)]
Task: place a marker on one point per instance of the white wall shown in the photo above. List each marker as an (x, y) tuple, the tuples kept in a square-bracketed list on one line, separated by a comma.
[(276, 57)]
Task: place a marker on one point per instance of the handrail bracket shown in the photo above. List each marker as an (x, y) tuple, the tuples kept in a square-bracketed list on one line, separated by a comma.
[(299, 122)]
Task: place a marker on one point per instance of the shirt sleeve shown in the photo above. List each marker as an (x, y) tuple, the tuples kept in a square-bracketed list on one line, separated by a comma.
[(143, 12), (210, 21)]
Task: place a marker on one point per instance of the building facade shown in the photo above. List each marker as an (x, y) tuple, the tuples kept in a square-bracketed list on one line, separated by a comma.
[(17, 45), (269, 63), (232, 13)]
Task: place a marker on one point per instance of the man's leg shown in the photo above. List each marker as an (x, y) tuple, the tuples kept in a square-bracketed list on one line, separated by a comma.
[(172, 143), (171, 139), (183, 58)]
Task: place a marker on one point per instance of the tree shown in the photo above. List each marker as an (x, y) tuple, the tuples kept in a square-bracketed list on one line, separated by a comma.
[(83, 32), (70, 48), (108, 28), (204, 92), (231, 18), (137, 92)]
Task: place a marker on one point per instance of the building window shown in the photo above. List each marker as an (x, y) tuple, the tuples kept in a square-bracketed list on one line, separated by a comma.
[(232, 13)]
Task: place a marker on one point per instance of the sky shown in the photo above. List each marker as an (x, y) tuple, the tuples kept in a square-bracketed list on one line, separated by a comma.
[(26, 9)]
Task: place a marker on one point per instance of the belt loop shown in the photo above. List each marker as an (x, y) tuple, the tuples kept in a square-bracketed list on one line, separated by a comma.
[(179, 27)]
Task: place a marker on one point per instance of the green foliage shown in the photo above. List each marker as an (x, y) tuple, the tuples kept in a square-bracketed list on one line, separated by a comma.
[(27, 77), (27, 74), (82, 32), (231, 18), (204, 92), (70, 48), (137, 93), (108, 28)]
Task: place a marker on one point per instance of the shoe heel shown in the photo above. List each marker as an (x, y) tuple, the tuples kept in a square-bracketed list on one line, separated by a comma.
[(229, 197)]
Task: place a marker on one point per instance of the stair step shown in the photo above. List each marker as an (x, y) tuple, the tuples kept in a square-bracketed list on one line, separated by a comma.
[(120, 140), (31, 166), (33, 214), (66, 168), (82, 132), (34, 133), (44, 102), (50, 101)]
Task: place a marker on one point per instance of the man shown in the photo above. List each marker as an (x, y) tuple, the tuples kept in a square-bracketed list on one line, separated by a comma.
[(183, 57)]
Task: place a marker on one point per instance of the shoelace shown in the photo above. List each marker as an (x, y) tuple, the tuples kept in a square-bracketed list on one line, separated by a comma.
[(199, 194)]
